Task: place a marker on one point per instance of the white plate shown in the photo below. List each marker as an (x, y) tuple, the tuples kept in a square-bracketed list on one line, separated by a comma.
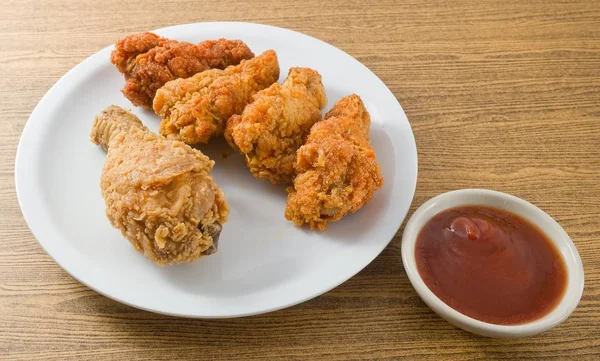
[(264, 262)]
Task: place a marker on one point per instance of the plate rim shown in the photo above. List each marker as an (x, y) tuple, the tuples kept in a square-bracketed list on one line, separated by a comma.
[(36, 228)]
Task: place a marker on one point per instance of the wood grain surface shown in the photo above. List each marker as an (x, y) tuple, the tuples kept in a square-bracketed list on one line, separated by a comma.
[(500, 94)]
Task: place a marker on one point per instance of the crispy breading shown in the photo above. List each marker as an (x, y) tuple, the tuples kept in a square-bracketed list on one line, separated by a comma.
[(158, 192), (196, 109), (148, 61), (276, 124), (337, 168)]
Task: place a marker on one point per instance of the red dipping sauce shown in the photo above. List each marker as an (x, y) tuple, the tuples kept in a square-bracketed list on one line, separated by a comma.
[(490, 265)]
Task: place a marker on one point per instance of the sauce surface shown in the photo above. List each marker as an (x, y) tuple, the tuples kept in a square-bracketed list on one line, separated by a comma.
[(490, 265)]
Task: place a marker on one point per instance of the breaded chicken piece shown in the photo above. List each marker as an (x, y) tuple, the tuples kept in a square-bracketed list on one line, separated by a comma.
[(276, 124), (196, 109), (337, 169), (148, 61), (158, 192)]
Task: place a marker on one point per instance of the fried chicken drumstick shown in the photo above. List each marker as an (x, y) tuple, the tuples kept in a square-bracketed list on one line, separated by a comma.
[(276, 124), (148, 61), (158, 192), (337, 169), (196, 109)]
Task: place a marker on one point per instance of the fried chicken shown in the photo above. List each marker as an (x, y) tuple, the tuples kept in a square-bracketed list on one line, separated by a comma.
[(337, 169), (196, 109), (276, 124), (148, 61), (158, 192)]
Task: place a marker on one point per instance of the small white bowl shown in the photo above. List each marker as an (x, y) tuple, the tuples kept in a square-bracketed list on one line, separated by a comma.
[(514, 205)]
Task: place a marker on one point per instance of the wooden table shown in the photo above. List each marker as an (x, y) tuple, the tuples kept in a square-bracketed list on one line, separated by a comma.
[(500, 94)]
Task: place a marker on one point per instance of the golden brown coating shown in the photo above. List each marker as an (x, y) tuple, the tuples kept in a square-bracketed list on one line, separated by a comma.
[(158, 192), (337, 169), (148, 61), (196, 109), (276, 124)]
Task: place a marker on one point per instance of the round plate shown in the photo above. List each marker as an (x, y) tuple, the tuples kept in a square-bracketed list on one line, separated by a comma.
[(264, 262)]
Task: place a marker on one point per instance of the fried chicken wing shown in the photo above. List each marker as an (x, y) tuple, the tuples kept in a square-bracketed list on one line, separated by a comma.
[(158, 192), (337, 169), (276, 124), (148, 61), (196, 109)]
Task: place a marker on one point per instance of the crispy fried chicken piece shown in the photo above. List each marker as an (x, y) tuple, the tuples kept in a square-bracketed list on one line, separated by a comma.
[(196, 109), (148, 61), (276, 124), (158, 192), (337, 169)]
